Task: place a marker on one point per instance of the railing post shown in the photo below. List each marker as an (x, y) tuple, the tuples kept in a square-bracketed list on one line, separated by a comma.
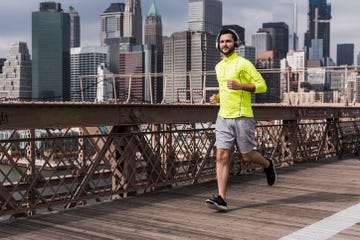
[(150, 87), (193, 153), (346, 97), (298, 89), (114, 87), (155, 171), (129, 90), (204, 89), (355, 87), (81, 154), (331, 142), (31, 171), (125, 145), (288, 72), (82, 89), (164, 89), (168, 156), (81, 168), (287, 144), (191, 89)]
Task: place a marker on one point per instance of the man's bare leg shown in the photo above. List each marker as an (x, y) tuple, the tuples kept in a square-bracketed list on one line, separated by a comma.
[(222, 170)]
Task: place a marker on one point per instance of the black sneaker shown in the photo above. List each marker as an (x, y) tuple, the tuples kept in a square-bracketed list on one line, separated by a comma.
[(270, 172), (216, 203)]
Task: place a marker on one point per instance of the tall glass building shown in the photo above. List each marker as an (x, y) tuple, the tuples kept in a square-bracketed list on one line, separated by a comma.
[(185, 52), (317, 37), (205, 16), (153, 55), (287, 12), (247, 52), (112, 33), (133, 20), (261, 41), (51, 53), (345, 54), (153, 28), (112, 23), (84, 63), (74, 28), (15, 81), (279, 32), (2, 60)]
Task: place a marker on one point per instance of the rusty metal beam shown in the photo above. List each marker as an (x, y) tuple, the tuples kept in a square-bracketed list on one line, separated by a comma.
[(61, 115)]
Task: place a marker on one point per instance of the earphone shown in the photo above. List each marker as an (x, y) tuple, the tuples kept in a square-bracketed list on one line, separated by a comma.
[(225, 31)]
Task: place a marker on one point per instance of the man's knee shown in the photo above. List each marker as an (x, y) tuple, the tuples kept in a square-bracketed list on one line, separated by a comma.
[(222, 156), (247, 157)]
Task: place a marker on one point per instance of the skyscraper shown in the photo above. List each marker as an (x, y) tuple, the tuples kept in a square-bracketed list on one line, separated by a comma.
[(205, 16), (112, 23), (133, 20), (132, 63), (296, 60), (317, 37), (105, 87), (15, 81), (176, 60), (287, 12), (2, 60), (247, 52), (261, 41), (271, 44), (345, 54), (279, 32), (74, 28), (85, 62), (153, 27), (153, 55), (269, 60), (112, 32), (51, 53), (184, 52)]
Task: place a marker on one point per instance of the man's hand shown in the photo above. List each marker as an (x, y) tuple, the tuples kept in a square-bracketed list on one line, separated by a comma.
[(215, 99), (232, 84)]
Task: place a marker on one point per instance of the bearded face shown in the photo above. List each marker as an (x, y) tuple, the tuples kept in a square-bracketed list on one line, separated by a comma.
[(226, 44)]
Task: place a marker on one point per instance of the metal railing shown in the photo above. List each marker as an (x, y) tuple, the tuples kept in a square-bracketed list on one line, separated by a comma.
[(96, 152), (290, 86), (300, 86)]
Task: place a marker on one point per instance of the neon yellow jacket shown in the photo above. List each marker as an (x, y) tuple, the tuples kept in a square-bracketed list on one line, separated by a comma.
[(237, 103)]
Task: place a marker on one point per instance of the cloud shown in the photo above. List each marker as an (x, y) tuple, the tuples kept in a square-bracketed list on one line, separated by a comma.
[(174, 13)]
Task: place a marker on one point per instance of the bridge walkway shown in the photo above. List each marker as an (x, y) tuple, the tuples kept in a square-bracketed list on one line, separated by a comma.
[(311, 200)]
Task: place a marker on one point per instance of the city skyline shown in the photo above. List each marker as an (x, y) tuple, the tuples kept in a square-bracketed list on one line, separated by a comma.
[(174, 13)]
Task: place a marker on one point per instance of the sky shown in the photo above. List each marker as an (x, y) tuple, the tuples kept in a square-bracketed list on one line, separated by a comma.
[(15, 19)]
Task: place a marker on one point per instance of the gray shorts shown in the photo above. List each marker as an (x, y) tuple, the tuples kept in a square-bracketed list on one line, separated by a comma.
[(240, 130)]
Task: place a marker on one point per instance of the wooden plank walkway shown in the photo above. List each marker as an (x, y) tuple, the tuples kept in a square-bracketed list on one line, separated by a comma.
[(304, 194)]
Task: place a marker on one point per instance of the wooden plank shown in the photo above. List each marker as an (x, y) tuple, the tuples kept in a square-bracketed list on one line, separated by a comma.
[(352, 233), (305, 193), (29, 230)]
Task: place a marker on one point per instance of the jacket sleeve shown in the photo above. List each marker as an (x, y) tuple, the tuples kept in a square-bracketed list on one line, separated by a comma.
[(253, 76)]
